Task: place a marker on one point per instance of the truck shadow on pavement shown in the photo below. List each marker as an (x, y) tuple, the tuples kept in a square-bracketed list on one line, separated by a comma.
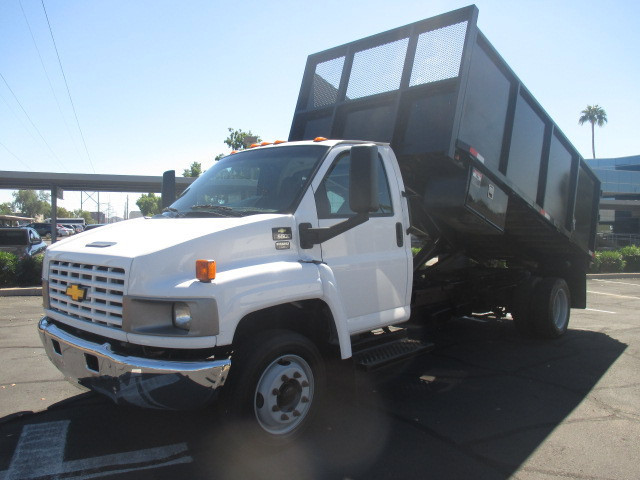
[(476, 407)]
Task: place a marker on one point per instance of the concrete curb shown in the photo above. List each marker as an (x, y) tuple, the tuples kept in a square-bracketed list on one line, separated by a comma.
[(21, 292), (611, 276)]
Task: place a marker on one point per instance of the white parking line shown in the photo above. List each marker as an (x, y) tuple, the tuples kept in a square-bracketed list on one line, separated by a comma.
[(619, 283), (600, 311), (612, 295)]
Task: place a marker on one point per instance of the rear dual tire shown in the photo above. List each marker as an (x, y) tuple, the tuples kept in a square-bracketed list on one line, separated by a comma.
[(542, 307)]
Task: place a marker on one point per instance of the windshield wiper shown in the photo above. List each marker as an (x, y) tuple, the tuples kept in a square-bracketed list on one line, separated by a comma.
[(219, 209), (169, 212)]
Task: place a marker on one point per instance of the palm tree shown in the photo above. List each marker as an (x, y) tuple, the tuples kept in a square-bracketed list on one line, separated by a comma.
[(593, 114)]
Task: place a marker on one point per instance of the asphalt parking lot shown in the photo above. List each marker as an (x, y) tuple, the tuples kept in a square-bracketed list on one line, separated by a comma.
[(485, 404)]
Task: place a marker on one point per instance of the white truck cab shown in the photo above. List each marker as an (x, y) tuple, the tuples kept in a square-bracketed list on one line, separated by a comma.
[(304, 244)]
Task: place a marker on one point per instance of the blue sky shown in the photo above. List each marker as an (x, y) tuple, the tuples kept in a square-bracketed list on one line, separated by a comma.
[(156, 83)]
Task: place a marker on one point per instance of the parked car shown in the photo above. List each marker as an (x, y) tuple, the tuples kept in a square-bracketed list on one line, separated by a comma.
[(64, 231), (93, 225), (43, 229), (21, 241), (74, 228)]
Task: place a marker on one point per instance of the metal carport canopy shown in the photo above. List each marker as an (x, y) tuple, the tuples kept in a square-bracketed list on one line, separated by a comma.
[(86, 181)]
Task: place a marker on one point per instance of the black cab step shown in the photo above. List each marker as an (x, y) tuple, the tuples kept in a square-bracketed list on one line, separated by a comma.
[(390, 352)]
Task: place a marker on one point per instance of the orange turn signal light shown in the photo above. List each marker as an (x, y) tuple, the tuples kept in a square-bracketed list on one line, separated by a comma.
[(205, 270)]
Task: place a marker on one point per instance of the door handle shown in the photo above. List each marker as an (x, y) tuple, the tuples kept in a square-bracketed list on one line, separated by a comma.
[(399, 234)]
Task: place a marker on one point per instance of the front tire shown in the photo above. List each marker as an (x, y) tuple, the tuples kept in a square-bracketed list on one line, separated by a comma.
[(276, 382)]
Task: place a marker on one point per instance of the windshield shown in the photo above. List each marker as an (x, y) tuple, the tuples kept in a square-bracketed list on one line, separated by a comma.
[(265, 180)]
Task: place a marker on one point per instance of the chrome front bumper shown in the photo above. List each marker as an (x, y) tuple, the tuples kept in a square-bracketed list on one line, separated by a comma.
[(133, 380)]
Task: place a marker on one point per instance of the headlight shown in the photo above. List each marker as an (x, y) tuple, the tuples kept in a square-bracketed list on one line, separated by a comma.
[(181, 316)]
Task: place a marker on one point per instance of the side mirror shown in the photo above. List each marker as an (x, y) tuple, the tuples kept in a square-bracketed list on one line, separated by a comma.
[(168, 188), (363, 179)]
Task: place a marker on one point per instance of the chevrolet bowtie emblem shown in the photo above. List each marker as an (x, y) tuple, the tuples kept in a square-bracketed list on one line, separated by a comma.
[(76, 292)]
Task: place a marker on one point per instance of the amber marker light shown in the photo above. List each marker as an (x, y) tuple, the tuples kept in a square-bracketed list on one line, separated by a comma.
[(205, 270), (278, 142), (264, 144), (319, 139)]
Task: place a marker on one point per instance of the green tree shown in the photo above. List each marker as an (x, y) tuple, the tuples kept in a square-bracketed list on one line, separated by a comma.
[(149, 204), (238, 140), (594, 114), (88, 219), (32, 203), (5, 208), (62, 212), (195, 170)]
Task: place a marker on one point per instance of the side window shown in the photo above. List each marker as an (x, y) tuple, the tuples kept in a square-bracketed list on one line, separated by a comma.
[(332, 197), (33, 236)]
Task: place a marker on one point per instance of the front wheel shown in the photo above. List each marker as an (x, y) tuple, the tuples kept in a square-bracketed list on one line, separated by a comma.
[(276, 382)]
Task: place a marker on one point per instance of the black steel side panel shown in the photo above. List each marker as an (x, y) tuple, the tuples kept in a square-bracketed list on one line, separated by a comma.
[(451, 107)]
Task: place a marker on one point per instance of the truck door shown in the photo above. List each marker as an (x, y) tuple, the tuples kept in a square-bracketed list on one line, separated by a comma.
[(370, 262)]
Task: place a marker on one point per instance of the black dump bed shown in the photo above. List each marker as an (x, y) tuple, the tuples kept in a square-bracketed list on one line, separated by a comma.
[(490, 168)]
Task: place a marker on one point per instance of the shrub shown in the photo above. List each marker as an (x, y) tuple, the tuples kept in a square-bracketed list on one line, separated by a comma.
[(609, 262), (29, 271), (8, 265), (631, 256)]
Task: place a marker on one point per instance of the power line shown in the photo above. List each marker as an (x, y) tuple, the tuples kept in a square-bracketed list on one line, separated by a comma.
[(67, 86), (46, 74), (24, 125), (14, 155), (31, 122)]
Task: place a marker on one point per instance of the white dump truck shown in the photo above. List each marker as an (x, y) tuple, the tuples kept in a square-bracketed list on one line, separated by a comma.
[(445, 190)]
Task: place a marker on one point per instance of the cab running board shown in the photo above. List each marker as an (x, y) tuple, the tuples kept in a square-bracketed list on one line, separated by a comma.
[(390, 352)]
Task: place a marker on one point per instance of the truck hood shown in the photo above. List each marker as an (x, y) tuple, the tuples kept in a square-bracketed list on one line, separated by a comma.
[(166, 248)]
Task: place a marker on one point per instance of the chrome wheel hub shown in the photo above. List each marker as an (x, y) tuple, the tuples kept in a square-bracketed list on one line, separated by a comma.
[(284, 394)]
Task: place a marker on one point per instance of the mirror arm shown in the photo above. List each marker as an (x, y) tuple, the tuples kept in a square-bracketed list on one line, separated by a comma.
[(310, 236)]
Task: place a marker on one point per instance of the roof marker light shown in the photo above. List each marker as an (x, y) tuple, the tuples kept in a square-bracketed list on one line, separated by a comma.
[(264, 144), (254, 145), (278, 142), (319, 139)]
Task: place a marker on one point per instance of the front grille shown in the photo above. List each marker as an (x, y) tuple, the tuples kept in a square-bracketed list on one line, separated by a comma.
[(105, 287)]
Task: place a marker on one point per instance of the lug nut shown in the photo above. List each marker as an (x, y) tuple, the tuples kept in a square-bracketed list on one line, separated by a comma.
[(275, 408), (284, 378), (305, 383), (297, 375), (296, 413), (304, 400), (284, 417), (275, 392)]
